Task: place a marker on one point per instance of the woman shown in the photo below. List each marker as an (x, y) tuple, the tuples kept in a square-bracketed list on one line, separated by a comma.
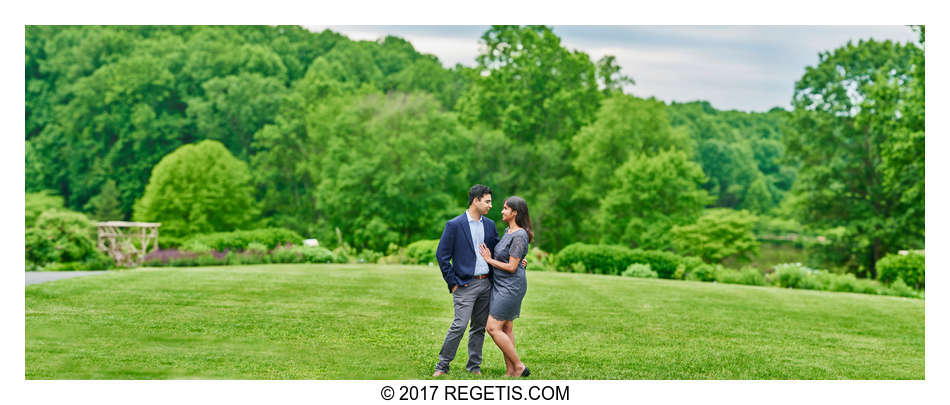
[(508, 282)]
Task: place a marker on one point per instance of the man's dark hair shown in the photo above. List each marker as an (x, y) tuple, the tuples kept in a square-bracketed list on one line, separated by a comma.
[(477, 191)]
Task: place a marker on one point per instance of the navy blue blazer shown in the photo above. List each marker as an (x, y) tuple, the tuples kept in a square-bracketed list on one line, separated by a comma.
[(456, 255)]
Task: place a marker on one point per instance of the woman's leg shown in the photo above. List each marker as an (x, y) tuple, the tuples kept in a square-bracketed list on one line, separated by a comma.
[(505, 344), (508, 328), (493, 327)]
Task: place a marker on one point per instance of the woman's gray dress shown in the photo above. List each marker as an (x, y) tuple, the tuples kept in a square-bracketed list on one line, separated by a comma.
[(508, 289)]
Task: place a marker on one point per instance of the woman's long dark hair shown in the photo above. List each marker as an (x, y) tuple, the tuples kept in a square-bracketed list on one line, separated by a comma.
[(523, 220)]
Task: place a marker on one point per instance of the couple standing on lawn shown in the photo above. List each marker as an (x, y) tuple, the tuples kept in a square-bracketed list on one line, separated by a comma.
[(486, 276)]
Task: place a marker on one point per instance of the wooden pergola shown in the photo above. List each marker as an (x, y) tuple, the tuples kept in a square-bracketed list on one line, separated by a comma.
[(127, 242)]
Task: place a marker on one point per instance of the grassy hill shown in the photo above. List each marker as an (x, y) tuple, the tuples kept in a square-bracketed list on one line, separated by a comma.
[(388, 322)]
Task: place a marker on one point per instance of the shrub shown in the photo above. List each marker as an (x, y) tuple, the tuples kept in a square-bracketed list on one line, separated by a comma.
[(611, 259), (703, 272), (97, 261), (195, 246), (539, 260), (169, 241), (844, 283), (639, 270), (747, 276), (38, 203), (663, 263), (817, 280), (61, 236), (314, 254), (680, 272), (237, 240), (198, 188), (422, 251), (302, 254), (284, 255), (256, 248), (719, 233), (791, 275), (599, 259), (909, 267), (900, 289)]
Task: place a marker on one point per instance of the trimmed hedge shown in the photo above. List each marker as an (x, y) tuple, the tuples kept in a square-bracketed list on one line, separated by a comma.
[(909, 268), (238, 240), (612, 259), (422, 251)]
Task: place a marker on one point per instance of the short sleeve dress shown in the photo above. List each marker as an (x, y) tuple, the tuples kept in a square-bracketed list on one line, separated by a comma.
[(508, 289)]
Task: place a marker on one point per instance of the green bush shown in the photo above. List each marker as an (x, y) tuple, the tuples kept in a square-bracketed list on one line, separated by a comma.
[(38, 203), (900, 289), (60, 236), (302, 254), (539, 260), (909, 267), (256, 248), (238, 240), (598, 259), (719, 233), (703, 272), (844, 283), (611, 259), (195, 246), (169, 241), (639, 270), (817, 280), (747, 276), (663, 263), (791, 275), (198, 188), (422, 251), (96, 261)]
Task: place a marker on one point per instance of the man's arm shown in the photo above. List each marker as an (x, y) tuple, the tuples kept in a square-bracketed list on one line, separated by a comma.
[(444, 253)]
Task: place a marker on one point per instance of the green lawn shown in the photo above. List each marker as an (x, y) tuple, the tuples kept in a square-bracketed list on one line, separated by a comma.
[(388, 322)]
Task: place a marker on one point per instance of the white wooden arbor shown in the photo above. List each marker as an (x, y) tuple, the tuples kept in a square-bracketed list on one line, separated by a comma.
[(127, 242)]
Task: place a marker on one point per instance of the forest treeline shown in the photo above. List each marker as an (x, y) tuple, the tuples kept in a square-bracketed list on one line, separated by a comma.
[(375, 144)]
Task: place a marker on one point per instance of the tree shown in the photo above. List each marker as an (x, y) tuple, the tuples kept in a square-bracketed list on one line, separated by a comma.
[(105, 205), (199, 188), (626, 126), (719, 233), (392, 170), (531, 87), (235, 107), (858, 131), (652, 194)]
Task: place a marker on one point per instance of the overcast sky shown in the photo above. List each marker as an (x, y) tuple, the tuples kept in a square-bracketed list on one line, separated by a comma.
[(751, 68)]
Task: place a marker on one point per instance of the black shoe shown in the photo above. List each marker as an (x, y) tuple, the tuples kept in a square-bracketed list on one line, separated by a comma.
[(526, 372)]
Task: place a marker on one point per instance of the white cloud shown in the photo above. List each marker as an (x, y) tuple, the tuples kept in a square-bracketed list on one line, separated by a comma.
[(732, 67)]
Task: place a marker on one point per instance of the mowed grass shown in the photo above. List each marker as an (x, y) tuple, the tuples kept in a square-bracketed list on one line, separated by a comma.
[(388, 322)]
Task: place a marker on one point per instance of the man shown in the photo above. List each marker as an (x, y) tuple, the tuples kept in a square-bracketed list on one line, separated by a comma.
[(468, 277)]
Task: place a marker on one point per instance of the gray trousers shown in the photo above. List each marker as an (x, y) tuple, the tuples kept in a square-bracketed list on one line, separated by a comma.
[(471, 304)]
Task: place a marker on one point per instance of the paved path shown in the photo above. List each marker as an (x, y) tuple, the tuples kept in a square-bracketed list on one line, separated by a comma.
[(34, 277)]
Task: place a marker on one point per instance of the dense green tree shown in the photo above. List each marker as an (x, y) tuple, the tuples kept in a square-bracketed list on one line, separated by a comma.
[(718, 234), (860, 138), (735, 149), (199, 188), (653, 194), (105, 205), (392, 170), (530, 86), (235, 107), (625, 126)]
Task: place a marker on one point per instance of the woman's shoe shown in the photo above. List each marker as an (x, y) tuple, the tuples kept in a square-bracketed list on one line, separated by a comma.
[(526, 372)]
